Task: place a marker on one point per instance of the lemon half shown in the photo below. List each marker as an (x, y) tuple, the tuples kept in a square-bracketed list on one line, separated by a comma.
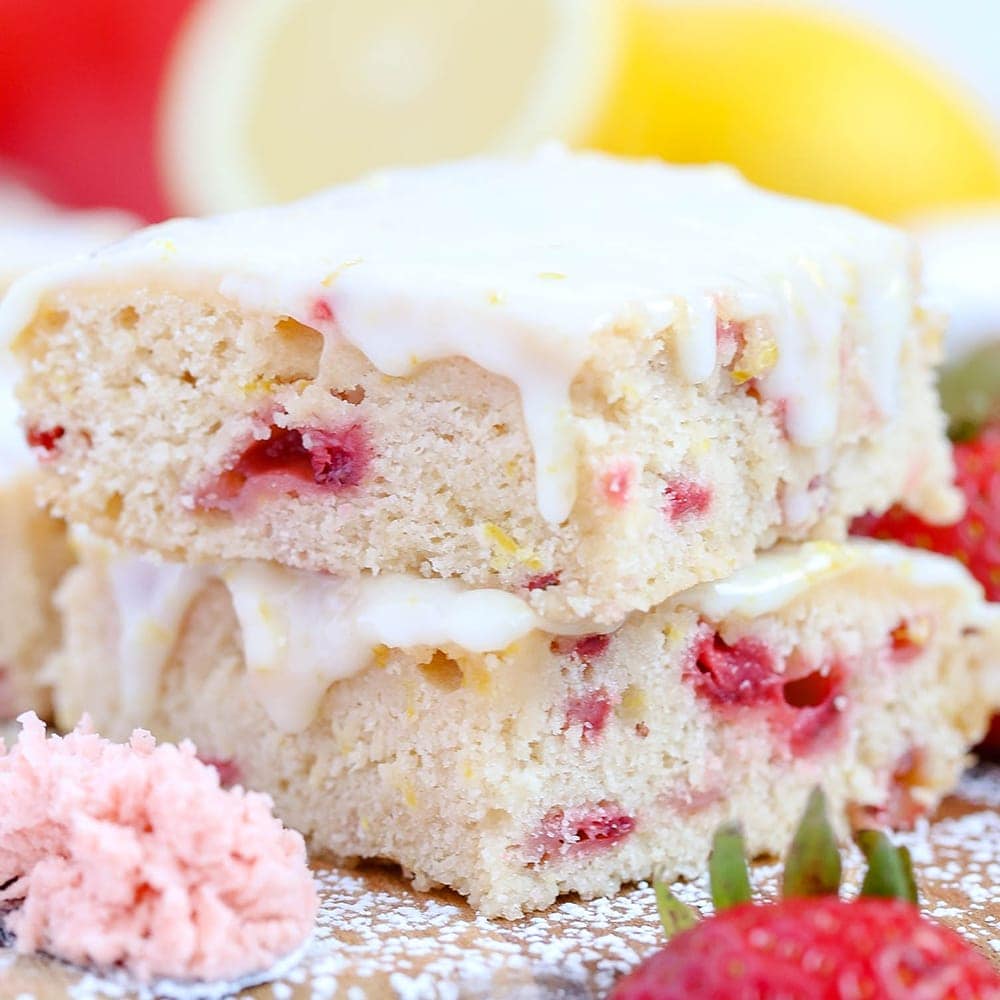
[(270, 99), (267, 100)]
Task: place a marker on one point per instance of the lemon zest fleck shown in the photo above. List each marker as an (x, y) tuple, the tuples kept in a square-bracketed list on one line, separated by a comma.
[(506, 550), (339, 270)]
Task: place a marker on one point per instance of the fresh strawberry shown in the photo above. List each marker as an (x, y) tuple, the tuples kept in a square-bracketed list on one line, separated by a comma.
[(815, 949), (970, 395), (811, 945), (970, 391), (975, 539)]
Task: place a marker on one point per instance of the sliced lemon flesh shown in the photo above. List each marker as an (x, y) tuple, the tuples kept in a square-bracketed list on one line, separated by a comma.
[(270, 99)]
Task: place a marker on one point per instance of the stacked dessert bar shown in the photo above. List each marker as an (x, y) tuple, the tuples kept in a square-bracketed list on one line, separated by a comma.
[(491, 516), (34, 553)]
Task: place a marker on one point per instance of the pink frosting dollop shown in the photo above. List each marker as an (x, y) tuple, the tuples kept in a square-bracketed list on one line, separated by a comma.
[(133, 856)]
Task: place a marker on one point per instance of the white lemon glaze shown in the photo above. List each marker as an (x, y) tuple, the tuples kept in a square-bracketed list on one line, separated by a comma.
[(519, 264), (786, 572), (300, 631), (303, 631), (152, 599)]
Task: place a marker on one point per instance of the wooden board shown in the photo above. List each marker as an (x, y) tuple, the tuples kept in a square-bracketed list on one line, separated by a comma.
[(375, 937)]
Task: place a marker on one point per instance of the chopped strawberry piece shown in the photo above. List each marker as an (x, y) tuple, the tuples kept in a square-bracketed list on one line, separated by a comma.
[(738, 674), (818, 717), (579, 830), (585, 648), (333, 458), (321, 311), (44, 438), (291, 461), (811, 691), (806, 710), (730, 335), (685, 499), (591, 646), (617, 481), (543, 581), (688, 800), (590, 711)]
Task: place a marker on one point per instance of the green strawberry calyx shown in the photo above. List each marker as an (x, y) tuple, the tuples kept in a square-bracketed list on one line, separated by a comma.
[(812, 868), (970, 392)]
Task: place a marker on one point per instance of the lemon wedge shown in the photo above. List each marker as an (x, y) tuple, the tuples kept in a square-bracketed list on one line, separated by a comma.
[(267, 100)]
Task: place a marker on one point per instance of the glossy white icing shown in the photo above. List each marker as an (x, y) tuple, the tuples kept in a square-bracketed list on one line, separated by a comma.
[(152, 599), (520, 264), (789, 571), (302, 631)]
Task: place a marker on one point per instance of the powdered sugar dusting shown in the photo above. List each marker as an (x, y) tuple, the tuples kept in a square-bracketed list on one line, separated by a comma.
[(375, 937)]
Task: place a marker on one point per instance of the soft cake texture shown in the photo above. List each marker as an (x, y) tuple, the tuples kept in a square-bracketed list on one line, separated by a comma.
[(133, 856), (587, 381), (33, 549), (576, 763), (433, 506), (34, 555)]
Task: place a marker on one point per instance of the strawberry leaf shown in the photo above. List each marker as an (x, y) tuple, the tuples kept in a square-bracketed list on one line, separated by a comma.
[(970, 392), (727, 868), (674, 915), (890, 870), (906, 863), (812, 867)]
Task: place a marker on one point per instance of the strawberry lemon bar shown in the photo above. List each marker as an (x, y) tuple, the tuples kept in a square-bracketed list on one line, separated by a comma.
[(435, 507), (587, 382), (450, 730), (33, 549)]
